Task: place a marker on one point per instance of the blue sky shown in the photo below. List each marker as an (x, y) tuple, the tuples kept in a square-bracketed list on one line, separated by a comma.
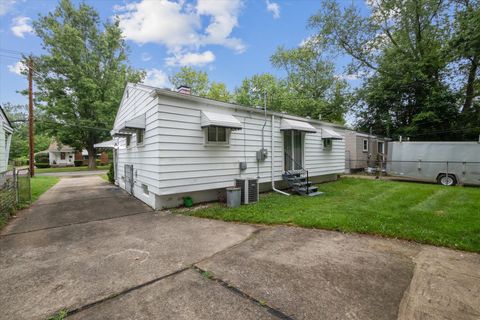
[(230, 39)]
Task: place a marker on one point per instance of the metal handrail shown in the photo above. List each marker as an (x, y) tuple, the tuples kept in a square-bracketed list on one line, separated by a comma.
[(295, 163)]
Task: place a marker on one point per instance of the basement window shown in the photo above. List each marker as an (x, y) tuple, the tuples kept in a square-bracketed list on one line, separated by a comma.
[(145, 189)]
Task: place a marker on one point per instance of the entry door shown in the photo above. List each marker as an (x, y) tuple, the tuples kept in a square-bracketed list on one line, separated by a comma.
[(129, 178), (293, 149)]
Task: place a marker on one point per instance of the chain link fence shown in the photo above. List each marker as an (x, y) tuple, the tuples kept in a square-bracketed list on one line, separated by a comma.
[(15, 191)]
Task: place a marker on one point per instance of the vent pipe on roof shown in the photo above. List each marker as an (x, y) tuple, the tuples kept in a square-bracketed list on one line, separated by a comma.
[(184, 90)]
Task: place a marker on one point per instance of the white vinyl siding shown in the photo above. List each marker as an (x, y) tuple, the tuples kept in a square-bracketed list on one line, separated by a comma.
[(175, 158)]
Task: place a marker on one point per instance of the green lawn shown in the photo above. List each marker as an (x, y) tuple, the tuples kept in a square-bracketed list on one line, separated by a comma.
[(427, 213), (69, 169), (41, 184), (38, 186)]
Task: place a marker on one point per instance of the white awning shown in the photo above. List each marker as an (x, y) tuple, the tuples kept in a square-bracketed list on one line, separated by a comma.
[(137, 123), (289, 124), (105, 145), (212, 119), (330, 134)]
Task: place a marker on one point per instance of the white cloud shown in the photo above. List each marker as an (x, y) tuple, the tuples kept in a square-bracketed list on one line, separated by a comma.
[(17, 68), (146, 56), (274, 8), (178, 24), (21, 25), (156, 78), (190, 59), (5, 6)]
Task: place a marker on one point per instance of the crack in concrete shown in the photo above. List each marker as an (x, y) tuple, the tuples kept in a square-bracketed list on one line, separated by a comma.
[(73, 224), (192, 266), (275, 312)]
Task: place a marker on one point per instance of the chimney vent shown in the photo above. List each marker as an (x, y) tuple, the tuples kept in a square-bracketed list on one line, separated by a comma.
[(184, 90)]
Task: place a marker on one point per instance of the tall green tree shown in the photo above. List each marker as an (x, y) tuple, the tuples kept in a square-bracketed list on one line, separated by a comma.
[(404, 51), (200, 84), (19, 147), (312, 81), (196, 80), (81, 77)]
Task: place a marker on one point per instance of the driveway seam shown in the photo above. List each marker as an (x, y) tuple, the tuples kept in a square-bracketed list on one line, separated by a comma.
[(275, 312), (72, 224), (121, 293)]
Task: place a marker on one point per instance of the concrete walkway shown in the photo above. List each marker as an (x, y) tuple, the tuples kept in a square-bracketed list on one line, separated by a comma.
[(90, 248)]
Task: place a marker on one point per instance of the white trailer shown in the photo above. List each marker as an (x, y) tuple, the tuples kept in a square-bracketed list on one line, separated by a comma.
[(446, 163), (170, 145)]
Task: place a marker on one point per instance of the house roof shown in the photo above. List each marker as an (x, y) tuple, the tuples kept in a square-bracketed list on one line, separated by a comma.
[(57, 147), (170, 93), (4, 115)]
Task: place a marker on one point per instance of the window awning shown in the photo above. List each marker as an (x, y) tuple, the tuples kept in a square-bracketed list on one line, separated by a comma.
[(212, 119), (103, 145), (289, 124), (330, 134), (137, 123)]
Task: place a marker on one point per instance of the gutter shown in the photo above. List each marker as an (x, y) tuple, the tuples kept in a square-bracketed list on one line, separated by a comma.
[(272, 159)]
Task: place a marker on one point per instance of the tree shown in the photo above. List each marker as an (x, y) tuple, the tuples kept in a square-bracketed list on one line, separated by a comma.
[(404, 51), (312, 81), (19, 146), (81, 78), (200, 85), (196, 80), (218, 91)]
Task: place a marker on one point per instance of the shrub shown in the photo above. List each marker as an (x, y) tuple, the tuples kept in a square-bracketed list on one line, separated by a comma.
[(97, 162), (22, 161), (78, 163), (111, 173), (42, 157), (42, 165)]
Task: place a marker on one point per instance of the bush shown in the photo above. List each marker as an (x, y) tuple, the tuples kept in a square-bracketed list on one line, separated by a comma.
[(42, 165), (42, 157), (23, 161), (78, 163), (111, 173), (97, 162)]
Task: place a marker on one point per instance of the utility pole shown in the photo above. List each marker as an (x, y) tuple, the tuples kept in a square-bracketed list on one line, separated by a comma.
[(30, 117)]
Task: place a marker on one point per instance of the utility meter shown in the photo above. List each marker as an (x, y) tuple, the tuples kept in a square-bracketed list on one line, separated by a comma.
[(262, 154)]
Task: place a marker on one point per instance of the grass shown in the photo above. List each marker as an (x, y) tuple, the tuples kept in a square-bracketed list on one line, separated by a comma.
[(432, 214), (69, 169), (40, 185)]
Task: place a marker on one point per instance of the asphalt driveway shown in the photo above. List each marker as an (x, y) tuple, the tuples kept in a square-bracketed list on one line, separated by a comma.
[(88, 247)]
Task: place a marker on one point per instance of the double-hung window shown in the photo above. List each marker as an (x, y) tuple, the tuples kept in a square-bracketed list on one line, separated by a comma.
[(365, 145)]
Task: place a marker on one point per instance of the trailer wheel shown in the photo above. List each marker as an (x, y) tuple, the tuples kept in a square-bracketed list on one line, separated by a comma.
[(445, 180)]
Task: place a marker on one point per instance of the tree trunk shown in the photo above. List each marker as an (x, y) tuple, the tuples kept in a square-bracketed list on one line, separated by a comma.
[(91, 158), (470, 90)]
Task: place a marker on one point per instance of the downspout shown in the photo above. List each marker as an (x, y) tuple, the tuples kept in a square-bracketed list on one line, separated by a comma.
[(272, 159)]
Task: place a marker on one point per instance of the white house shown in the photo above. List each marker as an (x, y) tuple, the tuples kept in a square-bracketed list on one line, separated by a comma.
[(6, 131), (170, 145), (61, 155)]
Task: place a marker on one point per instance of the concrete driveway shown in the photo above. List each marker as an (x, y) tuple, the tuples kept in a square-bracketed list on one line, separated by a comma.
[(88, 247)]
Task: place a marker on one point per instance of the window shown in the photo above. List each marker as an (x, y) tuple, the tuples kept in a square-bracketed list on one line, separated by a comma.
[(140, 136), (217, 135), (128, 140), (85, 157), (380, 147), (365, 145), (62, 155), (327, 143)]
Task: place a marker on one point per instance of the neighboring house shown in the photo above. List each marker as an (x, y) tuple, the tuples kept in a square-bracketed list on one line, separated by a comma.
[(169, 145), (62, 155), (6, 131), (83, 156), (363, 150)]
